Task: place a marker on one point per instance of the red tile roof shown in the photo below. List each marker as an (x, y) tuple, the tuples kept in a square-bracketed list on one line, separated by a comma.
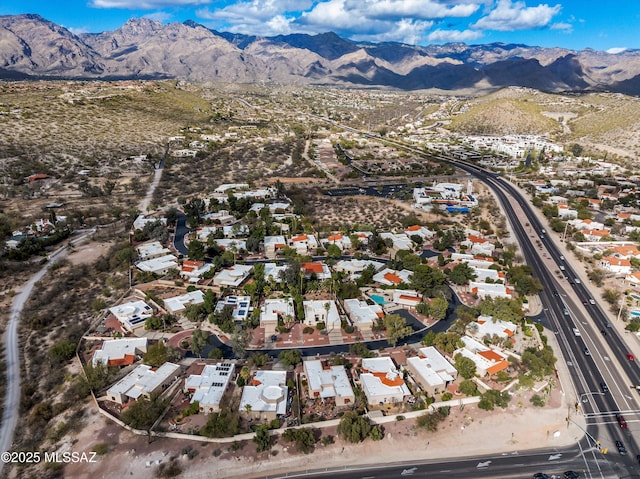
[(313, 267), (393, 278)]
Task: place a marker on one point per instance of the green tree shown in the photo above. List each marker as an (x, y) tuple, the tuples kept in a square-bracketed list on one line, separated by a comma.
[(461, 274), (429, 339), (196, 250), (333, 251), (353, 428), (262, 438), (290, 357), (425, 279), (143, 412), (156, 355), (465, 366), (199, 339), (221, 424), (438, 308), (62, 350), (396, 328), (468, 388), (304, 438)]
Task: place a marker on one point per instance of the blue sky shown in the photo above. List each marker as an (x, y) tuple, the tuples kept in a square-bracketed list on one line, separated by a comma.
[(574, 24)]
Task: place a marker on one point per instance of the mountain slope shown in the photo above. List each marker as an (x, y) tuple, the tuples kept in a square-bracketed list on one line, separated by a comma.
[(31, 46)]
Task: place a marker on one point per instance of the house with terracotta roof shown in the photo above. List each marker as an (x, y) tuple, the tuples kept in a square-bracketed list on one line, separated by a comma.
[(626, 251), (304, 244), (586, 224), (616, 265), (478, 245), (316, 268), (341, 241), (421, 231), (487, 325), (362, 314), (488, 361), (489, 290), (363, 236), (193, 270), (381, 382), (321, 311), (120, 352), (392, 277), (273, 244), (431, 370), (327, 381), (633, 279), (564, 212), (596, 235), (406, 297)]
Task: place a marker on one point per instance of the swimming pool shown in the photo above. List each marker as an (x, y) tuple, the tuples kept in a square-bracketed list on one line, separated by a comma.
[(378, 299), (635, 296), (635, 314)]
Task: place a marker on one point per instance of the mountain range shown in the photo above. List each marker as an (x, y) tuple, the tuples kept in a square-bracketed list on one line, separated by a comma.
[(33, 47)]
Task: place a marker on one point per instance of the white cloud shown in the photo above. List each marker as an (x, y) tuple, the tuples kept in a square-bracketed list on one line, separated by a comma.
[(419, 9), (404, 31), (256, 17), (453, 35), (566, 27), (78, 30), (509, 16), (616, 50), (161, 17)]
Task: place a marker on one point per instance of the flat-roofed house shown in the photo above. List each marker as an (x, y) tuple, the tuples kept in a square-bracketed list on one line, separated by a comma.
[(209, 386), (304, 244), (488, 361), (392, 277), (150, 250), (362, 314), (132, 314), (160, 265), (489, 290), (176, 304), (321, 311), (274, 309), (193, 270), (272, 244), (265, 395), (355, 267), (431, 370), (486, 325), (234, 276), (317, 268), (120, 352), (143, 381), (382, 382), (240, 305), (326, 381)]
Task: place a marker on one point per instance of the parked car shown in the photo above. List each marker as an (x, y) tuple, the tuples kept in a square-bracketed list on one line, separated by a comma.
[(541, 475), (621, 449), (571, 475)]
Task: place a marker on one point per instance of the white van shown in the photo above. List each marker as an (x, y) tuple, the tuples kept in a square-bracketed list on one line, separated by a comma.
[(576, 332)]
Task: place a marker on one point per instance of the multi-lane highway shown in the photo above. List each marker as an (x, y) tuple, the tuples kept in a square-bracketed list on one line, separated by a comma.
[(603, 376)]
